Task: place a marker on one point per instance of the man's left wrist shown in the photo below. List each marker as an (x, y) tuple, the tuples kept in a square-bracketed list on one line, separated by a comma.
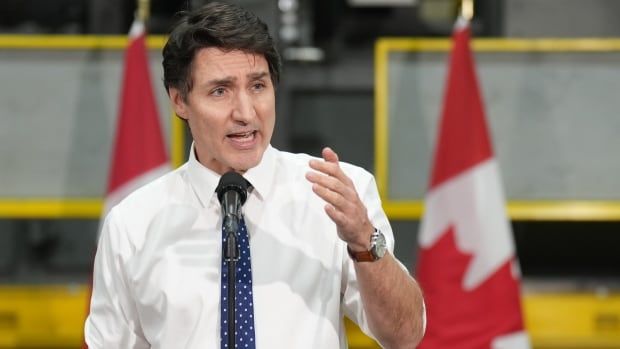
[(358, 247), (375, 249), (362, 242)]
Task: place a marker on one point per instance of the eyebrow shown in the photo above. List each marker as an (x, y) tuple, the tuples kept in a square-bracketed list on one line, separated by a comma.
[(257, 76), (230, 79), (224, 81)]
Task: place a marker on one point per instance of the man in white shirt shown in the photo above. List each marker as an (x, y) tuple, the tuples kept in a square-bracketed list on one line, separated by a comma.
[(321, 245)]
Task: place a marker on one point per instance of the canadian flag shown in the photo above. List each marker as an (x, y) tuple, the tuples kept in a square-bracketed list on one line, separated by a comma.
[(139, 153), (467, 265)]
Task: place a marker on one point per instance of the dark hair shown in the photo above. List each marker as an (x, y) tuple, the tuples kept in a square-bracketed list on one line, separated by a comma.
[(225, 26)]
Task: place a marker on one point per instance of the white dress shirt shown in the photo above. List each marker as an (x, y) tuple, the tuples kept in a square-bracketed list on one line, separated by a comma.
[(157, 270)]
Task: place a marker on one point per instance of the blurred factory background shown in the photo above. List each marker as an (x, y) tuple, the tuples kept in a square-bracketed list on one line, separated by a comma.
[(552, 105)]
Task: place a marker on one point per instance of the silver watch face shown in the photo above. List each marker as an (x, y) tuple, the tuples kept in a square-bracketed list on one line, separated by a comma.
[(378, 246)]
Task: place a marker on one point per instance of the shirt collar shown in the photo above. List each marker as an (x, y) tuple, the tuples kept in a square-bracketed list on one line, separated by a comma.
[(262, 175), (205, 181)]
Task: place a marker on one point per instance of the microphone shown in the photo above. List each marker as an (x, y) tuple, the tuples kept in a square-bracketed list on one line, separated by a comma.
[(232, 191)]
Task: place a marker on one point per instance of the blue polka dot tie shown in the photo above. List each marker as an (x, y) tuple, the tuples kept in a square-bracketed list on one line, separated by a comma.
[(244, 303)]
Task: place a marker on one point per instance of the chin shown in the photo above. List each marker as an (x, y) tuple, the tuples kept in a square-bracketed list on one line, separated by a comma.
[(246, 163)]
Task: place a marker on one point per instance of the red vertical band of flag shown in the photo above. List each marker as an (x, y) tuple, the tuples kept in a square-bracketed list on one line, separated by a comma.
[(463, 134), (139, 152), (138, 146), (467, 265)]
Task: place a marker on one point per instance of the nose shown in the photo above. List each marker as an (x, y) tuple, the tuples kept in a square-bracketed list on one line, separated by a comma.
[(243, 109)]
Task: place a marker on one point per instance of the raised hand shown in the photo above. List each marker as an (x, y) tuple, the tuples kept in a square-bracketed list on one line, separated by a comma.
[(343, 206)]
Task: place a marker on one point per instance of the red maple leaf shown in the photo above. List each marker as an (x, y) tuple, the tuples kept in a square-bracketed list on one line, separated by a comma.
[(459, 318)]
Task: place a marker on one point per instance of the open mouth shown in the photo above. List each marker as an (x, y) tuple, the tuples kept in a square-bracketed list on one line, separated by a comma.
[(243, 140), (242, 135)]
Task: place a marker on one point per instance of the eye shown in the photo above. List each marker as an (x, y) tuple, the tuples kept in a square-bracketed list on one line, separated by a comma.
[(258, 86), (218, 91)]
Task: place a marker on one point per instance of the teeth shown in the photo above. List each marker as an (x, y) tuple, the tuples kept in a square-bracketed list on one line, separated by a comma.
[(243, 135)]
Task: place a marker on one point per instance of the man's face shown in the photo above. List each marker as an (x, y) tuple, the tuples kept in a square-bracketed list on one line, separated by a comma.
[(230, 109)]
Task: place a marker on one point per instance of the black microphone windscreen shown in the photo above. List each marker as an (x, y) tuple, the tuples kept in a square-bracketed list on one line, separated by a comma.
[(232, 181)]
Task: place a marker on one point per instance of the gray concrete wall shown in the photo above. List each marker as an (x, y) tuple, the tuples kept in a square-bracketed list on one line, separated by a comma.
[(562, 18)]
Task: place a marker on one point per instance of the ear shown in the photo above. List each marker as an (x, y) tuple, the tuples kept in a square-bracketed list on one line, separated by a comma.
[(178, 103)]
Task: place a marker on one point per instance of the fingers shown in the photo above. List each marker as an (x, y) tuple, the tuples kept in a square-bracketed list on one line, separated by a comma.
[(330, 166), (329, 189), (329, 155), (344, 206), (336, 216), (330, 182)]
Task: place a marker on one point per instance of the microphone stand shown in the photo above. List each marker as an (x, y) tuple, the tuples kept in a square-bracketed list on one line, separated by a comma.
[(232, 193), (231, 256)]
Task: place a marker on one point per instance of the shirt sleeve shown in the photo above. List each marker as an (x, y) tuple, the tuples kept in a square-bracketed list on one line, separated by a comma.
[(352, 301), (113, 320)]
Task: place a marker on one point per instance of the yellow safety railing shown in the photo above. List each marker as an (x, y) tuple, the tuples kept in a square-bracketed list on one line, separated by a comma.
[(519, 210), (52, 316), (80, 207)]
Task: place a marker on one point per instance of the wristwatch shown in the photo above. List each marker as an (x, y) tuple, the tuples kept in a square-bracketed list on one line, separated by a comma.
[(377, 249)]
